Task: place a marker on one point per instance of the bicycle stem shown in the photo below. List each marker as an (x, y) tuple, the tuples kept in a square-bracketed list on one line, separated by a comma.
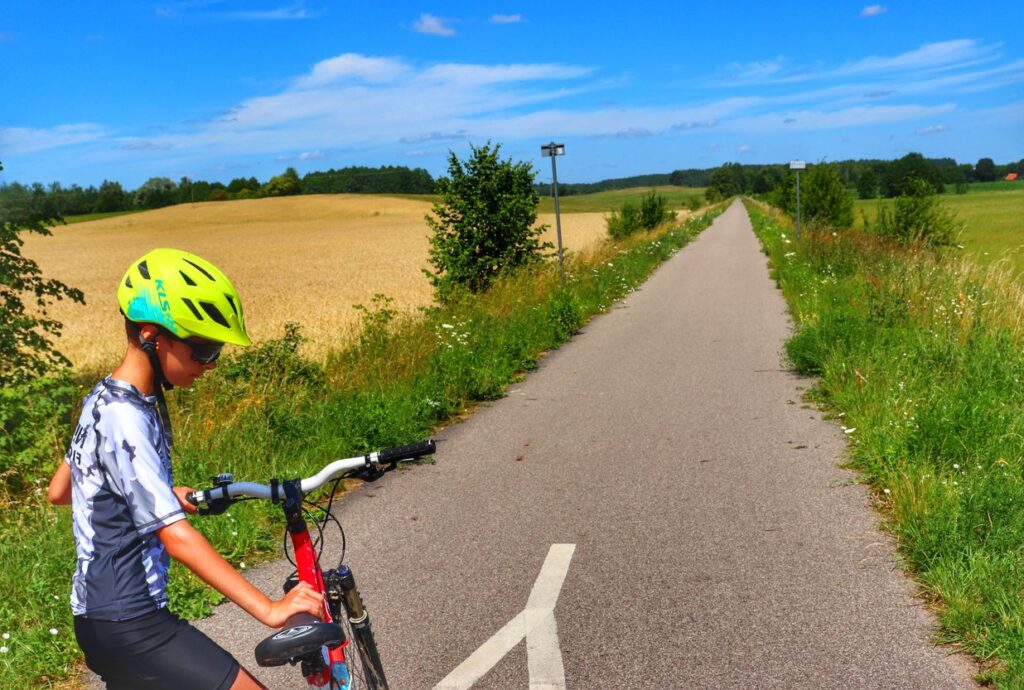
[(305, 559)]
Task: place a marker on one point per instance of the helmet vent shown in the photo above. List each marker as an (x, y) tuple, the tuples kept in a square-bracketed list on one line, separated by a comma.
[(188, 280), (201, 270), (232, 303), (128, 282), (144, 270), (192, 307), (214, 313)]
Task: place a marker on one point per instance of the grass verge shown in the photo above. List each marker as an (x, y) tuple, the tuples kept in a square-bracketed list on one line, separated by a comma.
[(921, 358), (270, 412)]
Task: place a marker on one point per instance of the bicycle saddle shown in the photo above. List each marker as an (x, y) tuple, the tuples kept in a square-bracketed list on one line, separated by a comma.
[(302, 635)]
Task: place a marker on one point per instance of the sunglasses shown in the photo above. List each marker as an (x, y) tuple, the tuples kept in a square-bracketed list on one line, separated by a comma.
[(205, 352)]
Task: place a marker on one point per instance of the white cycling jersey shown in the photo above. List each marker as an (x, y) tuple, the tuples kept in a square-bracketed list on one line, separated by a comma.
[(122, 493)]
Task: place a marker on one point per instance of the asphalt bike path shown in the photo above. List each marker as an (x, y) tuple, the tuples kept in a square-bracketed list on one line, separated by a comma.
[(653, 507)]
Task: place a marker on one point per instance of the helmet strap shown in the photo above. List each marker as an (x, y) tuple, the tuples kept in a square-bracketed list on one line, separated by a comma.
[(160, 383)]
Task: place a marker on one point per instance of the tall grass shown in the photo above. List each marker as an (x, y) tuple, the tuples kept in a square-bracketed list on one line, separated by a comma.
[(921, 358), (271, 412)]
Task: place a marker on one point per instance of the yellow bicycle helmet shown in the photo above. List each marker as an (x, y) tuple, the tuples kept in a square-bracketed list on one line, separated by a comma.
[(184, 294)]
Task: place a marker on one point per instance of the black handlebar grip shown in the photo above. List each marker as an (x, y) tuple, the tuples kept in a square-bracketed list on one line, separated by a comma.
[(413, 450)]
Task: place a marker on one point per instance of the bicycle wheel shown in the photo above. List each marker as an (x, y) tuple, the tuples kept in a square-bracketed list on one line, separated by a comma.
[(361, 657)]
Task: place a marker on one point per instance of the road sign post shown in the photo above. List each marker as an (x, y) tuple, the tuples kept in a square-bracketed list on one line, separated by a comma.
[(554, 150)]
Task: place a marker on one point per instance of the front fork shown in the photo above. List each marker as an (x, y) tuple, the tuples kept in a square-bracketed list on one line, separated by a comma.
[(342, 598)]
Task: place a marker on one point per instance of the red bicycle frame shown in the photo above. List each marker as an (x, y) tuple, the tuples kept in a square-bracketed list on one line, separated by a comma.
[(308, 568)]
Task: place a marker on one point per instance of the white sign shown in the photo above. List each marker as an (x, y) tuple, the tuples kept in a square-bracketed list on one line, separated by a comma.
[(797, 165)]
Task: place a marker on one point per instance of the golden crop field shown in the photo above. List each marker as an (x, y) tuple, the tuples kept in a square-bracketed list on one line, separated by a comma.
[(307, 259)]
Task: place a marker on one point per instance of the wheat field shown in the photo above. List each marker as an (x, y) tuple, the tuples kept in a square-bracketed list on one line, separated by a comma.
[(307, 259)]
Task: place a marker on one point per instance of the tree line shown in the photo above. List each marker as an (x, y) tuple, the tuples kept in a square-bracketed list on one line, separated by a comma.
[(110, 196), (868, 178)]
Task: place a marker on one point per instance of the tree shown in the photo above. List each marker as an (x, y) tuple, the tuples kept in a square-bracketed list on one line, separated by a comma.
[(26, 350), (912, 166), (282, 185), (985, 170), (824, 197), (867, 185), (916, 216), (761, 184), (484, 224), (728, 180), (156, 192), (111, 197)]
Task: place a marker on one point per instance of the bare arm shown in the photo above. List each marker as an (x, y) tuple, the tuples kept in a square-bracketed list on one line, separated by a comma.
[(188, 546), (60, 485)]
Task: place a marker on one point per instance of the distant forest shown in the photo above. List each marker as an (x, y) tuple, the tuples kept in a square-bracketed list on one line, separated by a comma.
[(869, 177), (866, 178)]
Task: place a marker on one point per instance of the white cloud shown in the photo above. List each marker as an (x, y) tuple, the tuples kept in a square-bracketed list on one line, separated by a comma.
[(429, 24), (22, 140), (628, 133), (918, 63), (685, 126), (506, 18), (434, 136), (743, 149), (304, 156), (754, 71), (355, 67), (933, 129), (198, 9), (819, 119), (944, 55), (872, 11)]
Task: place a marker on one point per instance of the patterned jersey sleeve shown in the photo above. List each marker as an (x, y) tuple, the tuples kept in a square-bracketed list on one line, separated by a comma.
[(136, 468)]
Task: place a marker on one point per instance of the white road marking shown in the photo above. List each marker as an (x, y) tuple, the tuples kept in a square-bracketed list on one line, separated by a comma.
[(536, 623)]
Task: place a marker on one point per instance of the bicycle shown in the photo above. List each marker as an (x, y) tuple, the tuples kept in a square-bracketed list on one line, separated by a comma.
[(318, 645)]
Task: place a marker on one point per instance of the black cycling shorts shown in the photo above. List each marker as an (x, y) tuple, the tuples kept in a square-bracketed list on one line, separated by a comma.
[(157, 650)]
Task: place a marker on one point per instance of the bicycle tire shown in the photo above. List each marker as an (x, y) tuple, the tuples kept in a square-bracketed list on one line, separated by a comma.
[(362, 656)]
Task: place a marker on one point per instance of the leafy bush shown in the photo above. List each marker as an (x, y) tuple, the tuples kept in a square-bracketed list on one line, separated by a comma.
[(623, 222), (35, 418), (275, 361), (824, 197), (26, 350), (652, 212), (916, 216), (484, 224)]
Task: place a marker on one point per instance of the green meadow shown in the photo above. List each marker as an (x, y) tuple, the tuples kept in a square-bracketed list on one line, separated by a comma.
[(993, 217)]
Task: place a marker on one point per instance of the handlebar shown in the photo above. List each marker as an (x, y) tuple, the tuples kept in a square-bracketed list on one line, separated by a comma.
[(227, 489)]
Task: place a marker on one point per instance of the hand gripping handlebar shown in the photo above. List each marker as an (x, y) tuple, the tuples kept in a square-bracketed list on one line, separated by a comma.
[(227, 489)]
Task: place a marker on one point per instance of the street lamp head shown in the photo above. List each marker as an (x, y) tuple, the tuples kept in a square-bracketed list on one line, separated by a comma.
[(552, 149)]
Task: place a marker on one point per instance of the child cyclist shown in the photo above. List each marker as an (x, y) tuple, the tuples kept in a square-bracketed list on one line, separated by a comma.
[(128, 516)]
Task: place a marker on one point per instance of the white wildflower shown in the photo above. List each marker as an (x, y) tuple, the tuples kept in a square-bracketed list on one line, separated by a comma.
[(4, 649), (53, 631), (886, 491)]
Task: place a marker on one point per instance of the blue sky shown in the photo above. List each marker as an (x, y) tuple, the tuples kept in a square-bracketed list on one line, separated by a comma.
[(217, 89)]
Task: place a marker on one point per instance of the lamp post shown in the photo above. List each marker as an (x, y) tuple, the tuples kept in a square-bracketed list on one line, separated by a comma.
[(797, 166), (554, 150)]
